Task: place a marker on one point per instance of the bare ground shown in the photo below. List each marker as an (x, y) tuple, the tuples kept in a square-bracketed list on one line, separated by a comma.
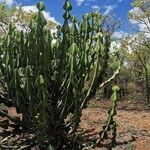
[(133, 120), (133, 130)]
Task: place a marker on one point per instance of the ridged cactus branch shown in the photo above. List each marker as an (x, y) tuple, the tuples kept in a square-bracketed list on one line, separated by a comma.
[(111, 123)]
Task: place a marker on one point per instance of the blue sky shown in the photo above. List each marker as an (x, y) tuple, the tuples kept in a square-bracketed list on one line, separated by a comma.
[(118, 8)]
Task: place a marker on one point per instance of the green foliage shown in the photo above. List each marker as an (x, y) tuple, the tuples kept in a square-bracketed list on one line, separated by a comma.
[(130, 146), (47, 81)]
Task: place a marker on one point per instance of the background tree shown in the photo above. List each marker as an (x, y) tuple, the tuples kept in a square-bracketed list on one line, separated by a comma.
[(141, 44), (141, 14)]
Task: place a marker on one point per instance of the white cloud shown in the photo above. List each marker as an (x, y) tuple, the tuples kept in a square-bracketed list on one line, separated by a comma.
[(29, 8), (34, 9), (96, 7), (120, 34), (79, 2), (109, 8), (7, 2)]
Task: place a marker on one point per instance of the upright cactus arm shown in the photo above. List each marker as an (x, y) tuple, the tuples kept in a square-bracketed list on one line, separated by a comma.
[(71, 81), (110, 124), (88, 95), (95, 23), (74, 31), (65, 29), (104, 67), (86, 27), (65, 37)]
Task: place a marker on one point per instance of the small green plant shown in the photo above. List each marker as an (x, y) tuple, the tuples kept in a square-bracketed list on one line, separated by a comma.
[(130, 146), (110, 123)]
